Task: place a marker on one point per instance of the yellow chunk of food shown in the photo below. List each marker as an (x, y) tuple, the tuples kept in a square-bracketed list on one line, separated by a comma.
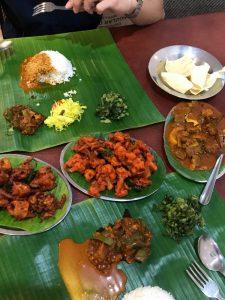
[(63, 113), (190, 120), (173, 135)]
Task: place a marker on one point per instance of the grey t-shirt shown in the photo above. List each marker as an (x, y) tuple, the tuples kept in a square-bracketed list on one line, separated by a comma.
[(182, 8)]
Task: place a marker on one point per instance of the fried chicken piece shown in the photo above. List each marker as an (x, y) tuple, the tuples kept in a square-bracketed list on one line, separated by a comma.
[(76, 163), (44, 180), (20, 190), (89, 174), (23, 171), (19, 209)]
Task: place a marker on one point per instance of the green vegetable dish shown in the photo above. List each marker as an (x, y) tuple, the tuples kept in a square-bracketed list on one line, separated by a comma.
[(181, 216), (112, 107)]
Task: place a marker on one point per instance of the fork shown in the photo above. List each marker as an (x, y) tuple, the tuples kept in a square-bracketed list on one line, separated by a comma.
[(204, 282), (46, 7)]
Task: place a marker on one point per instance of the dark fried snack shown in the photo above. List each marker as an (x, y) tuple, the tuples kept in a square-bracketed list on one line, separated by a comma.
[(19, 209), (24, 171), (24, 190), (128, 240), (5, 170), (44, 180), (45, 204), (24, 119), (20, 189)]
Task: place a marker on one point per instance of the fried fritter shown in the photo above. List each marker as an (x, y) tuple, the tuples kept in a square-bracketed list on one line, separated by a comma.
[(44, 180), (24, 119), (19, 209), (24, 190), (5, 170), (23, 171), (45, 204), (20, 190)]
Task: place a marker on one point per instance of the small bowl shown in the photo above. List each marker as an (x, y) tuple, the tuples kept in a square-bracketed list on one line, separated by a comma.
[(157, 65)]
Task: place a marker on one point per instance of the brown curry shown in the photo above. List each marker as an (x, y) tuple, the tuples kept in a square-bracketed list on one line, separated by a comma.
[(196, 134)]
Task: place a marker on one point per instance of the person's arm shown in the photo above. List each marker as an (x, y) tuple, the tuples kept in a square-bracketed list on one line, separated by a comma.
[(151, 10)]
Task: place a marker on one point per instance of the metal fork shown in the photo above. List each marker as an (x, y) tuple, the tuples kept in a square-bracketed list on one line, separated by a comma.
[(46, 7), (204, 282)]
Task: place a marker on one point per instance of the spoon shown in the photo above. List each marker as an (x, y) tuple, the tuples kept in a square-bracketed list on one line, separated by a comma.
[(4, 45), (209, 187), (210, 254)]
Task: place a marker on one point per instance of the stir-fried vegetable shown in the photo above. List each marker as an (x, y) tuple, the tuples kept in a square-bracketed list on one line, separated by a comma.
[(111, 107), (181, 216)]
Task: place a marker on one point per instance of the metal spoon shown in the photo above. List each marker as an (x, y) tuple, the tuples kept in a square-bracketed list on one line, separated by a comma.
[(209, 187), (210, 254), (4, 45)]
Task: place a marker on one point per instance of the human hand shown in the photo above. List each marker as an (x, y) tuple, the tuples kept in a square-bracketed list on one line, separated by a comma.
[(118, 7)]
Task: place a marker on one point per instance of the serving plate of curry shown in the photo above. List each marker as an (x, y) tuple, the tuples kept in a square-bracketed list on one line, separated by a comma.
[(193, 138), (114, 167), (34, 196)]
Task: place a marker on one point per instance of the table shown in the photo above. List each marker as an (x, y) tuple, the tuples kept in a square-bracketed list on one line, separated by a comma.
[(137, 45)]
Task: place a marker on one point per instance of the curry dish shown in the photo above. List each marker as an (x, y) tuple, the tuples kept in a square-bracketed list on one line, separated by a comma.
[(24, 191), (196, 134), (90, 269), (126, 240), (118, 163)]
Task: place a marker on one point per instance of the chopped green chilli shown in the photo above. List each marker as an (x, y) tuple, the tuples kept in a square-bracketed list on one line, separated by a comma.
[(181, 216), (111, 107)]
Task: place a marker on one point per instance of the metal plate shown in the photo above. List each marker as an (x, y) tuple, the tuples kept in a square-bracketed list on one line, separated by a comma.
[(157, 63), (158, 183), (7, 230)]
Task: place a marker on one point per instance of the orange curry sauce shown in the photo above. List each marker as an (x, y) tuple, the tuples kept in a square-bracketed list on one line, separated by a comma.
[(82, 279)]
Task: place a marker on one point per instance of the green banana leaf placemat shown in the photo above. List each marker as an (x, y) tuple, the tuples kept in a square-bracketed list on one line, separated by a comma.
[(28, 265), (100, 68)]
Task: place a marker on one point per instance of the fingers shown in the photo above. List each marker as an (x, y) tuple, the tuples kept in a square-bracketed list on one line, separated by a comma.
[(103, 6), (69, 4), (76, 5), (89, 6)]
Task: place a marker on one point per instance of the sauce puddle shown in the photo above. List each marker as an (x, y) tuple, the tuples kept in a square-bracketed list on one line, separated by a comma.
[(82, 279)]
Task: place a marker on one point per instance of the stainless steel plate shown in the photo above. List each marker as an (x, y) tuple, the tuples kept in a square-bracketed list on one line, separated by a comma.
[(9, 231), (157, 63), (157, 179)]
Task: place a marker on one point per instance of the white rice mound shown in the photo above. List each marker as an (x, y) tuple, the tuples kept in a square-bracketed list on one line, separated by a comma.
[(64, 69), (148, 293)]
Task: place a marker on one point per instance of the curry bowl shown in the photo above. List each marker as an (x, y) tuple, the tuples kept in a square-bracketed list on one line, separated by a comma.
[(157, 65), (180, 166)]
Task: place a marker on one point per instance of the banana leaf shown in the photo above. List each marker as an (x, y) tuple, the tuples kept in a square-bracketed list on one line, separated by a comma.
[(78, 180), (100, 68), (35, 225), (28, 266), (198, 176)]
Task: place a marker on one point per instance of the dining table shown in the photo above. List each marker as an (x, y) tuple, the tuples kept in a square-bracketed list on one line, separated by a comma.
[(137, 44)]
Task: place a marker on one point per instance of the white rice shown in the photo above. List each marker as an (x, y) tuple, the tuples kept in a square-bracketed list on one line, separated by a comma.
[(148, 293), (64, 69)]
